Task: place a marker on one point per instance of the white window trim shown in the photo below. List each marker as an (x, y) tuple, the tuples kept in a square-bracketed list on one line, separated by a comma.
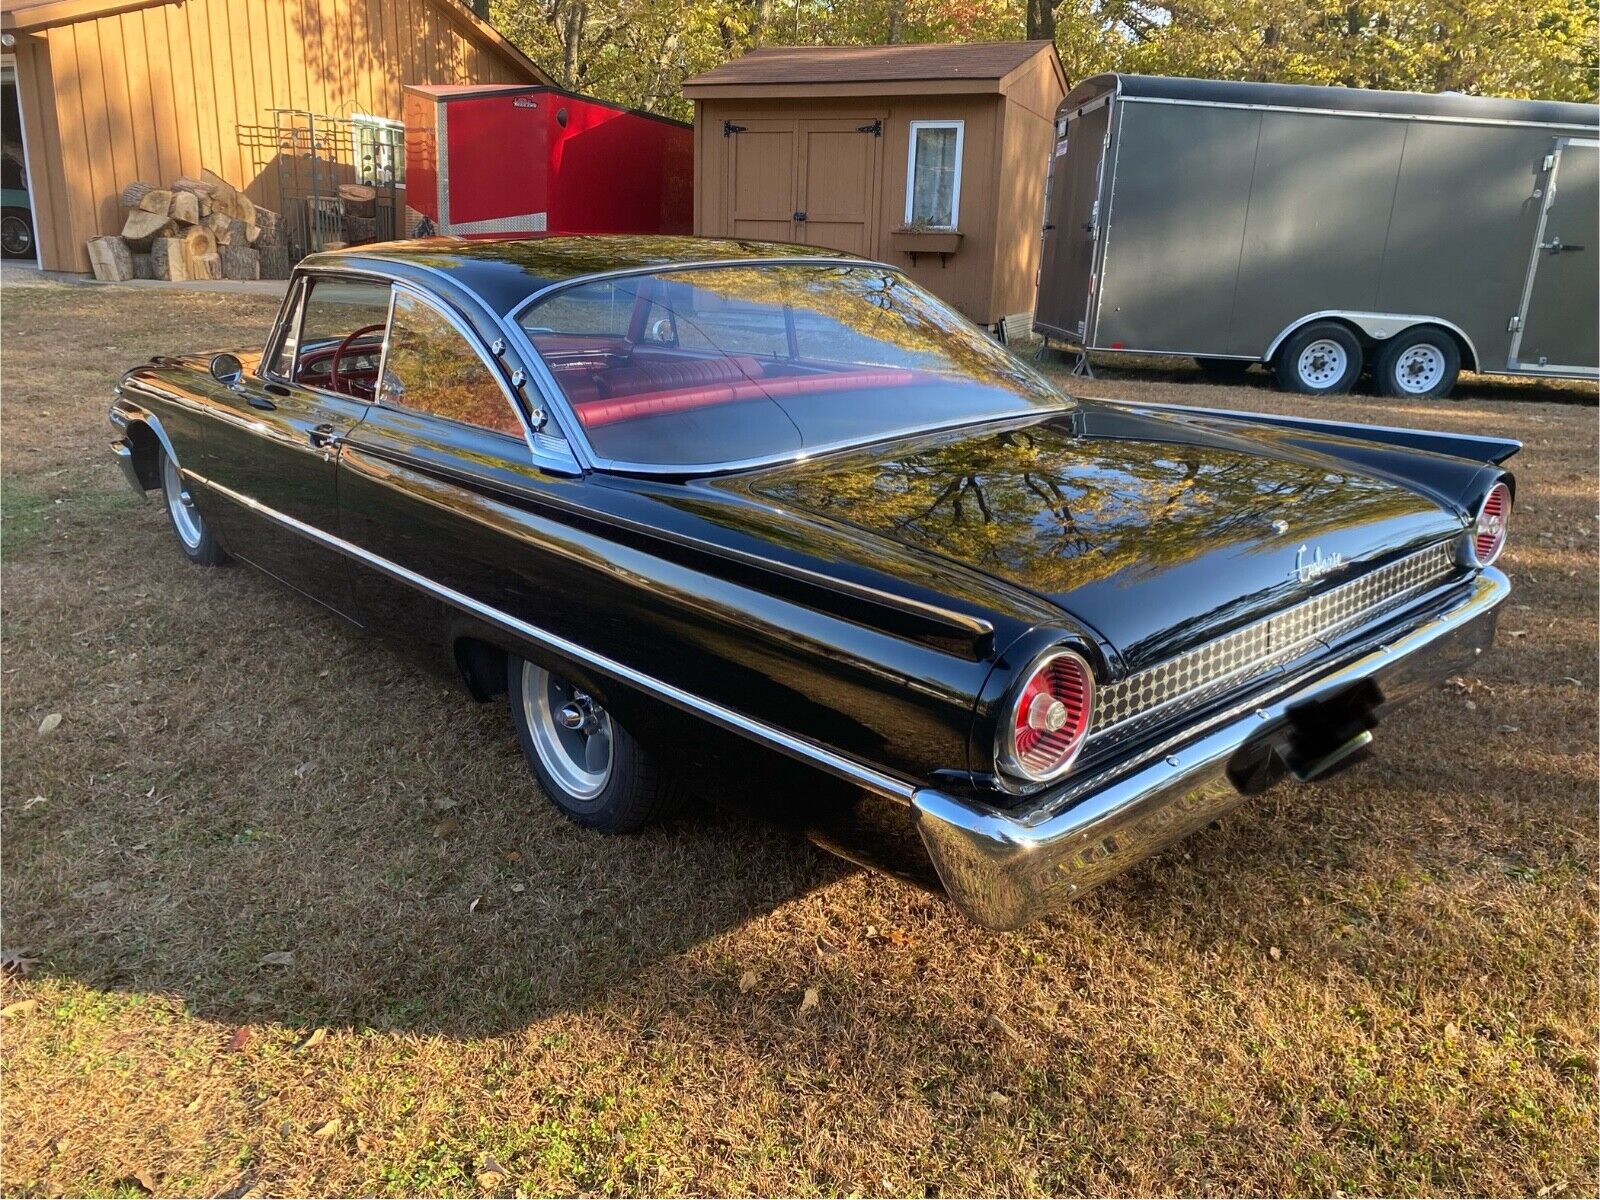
[(911, 168)]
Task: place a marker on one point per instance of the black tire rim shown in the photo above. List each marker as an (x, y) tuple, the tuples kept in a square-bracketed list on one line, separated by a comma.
[(15, 236)]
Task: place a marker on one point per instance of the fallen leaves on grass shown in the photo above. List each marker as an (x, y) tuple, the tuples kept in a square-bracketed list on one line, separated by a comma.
[(240, 1039), (20, 1008), (747, 981), (447, 828), (316, 1038), (490, 1174), (327, 1129), (278, 958), (810, 1000), (50, 723)]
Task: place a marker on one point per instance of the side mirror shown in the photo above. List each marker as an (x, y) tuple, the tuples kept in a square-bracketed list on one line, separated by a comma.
[(227, 369)]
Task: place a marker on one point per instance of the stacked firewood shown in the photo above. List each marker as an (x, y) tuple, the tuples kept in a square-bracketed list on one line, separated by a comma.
[(199, 228)]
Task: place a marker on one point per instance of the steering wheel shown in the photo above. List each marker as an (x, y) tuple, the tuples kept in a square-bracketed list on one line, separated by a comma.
[(343, 349)]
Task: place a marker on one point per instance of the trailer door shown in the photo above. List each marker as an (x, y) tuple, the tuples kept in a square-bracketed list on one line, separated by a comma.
[(1072, 227), (1557, 325)]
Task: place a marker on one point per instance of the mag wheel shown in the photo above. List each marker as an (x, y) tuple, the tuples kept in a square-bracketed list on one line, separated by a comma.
[(194, 535), (589, 766)]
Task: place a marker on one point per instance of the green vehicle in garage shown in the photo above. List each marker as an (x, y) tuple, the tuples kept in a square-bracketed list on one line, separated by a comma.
[(1325, 232), (16, 209)]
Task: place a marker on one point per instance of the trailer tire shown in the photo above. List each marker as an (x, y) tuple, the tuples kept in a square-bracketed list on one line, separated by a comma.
[(1419, 364), (1320, 359)]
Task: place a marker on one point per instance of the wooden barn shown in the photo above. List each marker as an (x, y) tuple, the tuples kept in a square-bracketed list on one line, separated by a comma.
[(261, 92)]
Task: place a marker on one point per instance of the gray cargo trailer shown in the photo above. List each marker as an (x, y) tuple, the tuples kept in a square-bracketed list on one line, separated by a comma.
[(1324, 231)]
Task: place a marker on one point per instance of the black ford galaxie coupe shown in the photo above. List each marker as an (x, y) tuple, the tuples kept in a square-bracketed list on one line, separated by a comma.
[(759, 519)]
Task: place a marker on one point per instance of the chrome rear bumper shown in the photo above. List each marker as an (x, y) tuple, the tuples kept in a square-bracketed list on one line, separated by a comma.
[(1006, 868)]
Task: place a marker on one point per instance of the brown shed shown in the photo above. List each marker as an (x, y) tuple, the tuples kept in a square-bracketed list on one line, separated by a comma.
[(113, 91), (930, 157)]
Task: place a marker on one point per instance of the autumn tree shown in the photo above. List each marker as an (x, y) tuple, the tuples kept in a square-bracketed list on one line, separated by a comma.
[(640, 52)]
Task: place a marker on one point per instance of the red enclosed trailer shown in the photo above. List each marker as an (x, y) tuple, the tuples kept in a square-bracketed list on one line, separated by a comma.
[(509, 159)]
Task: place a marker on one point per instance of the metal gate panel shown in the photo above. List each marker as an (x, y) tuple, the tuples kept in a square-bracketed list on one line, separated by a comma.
[(1558, 326), (1072, 227)]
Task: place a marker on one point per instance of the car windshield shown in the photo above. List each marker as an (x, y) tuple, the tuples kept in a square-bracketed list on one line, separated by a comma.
[(729, 364)]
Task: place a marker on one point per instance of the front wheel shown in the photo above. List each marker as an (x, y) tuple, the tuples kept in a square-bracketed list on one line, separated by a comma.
[(194, 534), (588, 765), (1418, 364), (1323, 359), (16, 233)]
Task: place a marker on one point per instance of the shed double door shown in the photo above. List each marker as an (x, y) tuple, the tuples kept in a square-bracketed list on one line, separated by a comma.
[(808, 181)]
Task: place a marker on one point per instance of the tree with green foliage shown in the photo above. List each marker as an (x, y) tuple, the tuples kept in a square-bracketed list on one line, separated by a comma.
[(639, 53)]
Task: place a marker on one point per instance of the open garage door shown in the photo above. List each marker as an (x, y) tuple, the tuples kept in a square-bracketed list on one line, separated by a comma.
[(17, 238)]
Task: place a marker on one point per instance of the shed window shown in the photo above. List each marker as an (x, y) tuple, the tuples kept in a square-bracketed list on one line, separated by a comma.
[(933, 174)]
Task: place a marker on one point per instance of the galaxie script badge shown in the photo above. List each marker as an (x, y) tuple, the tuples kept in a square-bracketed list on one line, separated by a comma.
[(1315, 567)]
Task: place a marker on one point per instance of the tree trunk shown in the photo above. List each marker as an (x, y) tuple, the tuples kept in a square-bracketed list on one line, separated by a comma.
[(141, 226), (167, 259), (240, 262), (760, 18), (572, 40), (111, 258), (897, 20), (1041, 20)]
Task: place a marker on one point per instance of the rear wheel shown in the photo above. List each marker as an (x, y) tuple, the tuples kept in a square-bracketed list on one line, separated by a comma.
[(1323, 359), (194, 535), (588, 765), (1417, 364)]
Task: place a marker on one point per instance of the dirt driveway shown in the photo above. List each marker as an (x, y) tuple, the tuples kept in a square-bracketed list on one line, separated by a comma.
[(300, 922)]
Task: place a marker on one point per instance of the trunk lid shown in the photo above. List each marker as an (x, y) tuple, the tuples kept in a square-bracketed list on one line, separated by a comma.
[(1157, 534)]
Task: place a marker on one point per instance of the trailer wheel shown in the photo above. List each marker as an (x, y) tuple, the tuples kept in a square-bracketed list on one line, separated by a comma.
[(1323, 359), (1417, 364)]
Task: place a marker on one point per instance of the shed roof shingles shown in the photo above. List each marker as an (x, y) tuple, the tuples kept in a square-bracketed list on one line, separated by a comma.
[(872, 64)]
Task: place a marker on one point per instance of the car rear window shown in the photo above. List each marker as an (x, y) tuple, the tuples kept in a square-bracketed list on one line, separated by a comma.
[(718, 366)]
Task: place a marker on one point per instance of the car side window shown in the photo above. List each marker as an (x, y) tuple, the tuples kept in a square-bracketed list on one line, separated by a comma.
[(335, 340), (431, 368)]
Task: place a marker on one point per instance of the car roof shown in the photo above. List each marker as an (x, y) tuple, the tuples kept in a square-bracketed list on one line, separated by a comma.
[(503, 272)]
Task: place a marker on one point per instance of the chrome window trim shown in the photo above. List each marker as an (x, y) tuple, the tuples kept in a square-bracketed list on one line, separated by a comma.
[(704, 264), (291, 306), (774, 738), (701, 470), (544, 456), (415, 293)]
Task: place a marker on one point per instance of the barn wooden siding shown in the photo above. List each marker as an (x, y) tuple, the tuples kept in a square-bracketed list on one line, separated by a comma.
[(163, 91)]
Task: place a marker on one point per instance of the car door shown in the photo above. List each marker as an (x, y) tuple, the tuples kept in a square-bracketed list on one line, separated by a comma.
[(436, 481), (280, 456)]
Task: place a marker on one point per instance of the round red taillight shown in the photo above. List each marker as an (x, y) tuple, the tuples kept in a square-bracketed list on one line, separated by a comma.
[(1489, 532), (1048, 718)]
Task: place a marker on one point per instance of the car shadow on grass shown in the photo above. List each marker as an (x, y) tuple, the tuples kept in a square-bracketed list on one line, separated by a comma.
[(252, 806)]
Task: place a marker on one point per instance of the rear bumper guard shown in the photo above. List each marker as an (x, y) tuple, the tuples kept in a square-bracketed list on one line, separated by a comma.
[(1004, 869)]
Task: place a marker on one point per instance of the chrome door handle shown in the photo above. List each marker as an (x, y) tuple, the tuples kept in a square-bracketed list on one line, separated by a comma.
[(324, 437)]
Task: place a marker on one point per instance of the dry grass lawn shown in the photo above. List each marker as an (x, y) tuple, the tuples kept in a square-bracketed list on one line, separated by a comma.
[(300, 922)]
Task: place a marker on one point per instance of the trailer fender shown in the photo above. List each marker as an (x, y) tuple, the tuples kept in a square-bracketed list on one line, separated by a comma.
[(1379, 327)]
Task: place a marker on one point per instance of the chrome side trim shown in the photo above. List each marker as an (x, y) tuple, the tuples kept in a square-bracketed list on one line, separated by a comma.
[(776, 739), (1004, 869)]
